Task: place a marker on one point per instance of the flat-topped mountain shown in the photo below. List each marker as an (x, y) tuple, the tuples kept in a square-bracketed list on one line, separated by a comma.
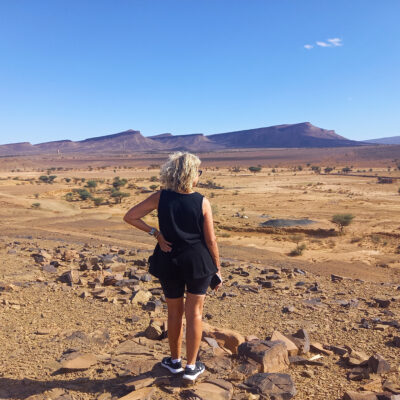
[(385, 140), (283, 136)]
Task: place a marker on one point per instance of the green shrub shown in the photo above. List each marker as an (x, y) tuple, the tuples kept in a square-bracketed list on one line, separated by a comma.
[(91, 184), (35, 205), (316, 168), (255, 169), (84, 194), (118, 183), (118, 196), (297, 238), (298, 250), (342, 220), (97, 201), (47, 178)]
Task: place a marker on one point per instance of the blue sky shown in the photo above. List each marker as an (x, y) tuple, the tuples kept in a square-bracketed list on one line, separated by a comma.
[(72, 69)]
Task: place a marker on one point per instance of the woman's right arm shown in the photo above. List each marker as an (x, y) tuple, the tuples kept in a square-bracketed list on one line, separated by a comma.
[(209, 234)]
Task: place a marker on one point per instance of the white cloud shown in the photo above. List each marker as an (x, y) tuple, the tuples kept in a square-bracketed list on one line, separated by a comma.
[(323, 44), (335, 42)]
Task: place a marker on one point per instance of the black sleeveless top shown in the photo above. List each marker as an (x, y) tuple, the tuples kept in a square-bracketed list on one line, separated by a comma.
[(180, 218)]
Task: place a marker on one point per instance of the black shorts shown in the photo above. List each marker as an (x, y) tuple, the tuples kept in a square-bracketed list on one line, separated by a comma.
[(175, 288)]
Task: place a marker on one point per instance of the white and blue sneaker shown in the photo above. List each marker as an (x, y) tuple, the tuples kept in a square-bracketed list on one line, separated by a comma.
[(175, 367), (192, 374)]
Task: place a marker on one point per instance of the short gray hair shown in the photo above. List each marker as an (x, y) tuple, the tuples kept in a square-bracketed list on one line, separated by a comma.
[(179, 172)]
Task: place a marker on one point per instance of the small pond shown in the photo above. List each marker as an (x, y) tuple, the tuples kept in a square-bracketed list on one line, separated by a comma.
[(287, 222)]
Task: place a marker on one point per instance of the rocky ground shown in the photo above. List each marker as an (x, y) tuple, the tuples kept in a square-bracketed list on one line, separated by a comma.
[(86, 321)]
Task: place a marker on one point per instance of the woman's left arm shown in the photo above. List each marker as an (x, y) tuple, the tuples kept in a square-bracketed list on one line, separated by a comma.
[(135, 214)]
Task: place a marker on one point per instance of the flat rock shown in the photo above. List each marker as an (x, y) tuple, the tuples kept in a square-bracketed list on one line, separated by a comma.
[(272, 356), (43, 331), (78, 361), (140, 382), (276, 386), (248, 368), (300, 360), (132, 348), (358, 374), (316, 347), (360, 396), (391, 387), (356, 358), (213, 389), (139, 366), (226, 337), (383, 303), (141, 394)]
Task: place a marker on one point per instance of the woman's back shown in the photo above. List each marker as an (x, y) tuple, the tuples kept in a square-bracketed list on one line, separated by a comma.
[(181, 218)]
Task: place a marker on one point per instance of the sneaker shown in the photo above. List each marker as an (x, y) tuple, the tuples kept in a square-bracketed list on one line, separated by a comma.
[(192, 374), (175, 368)]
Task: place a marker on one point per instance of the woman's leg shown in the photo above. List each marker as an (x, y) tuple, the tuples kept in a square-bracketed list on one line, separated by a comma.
[(193, 313), (175, 314)]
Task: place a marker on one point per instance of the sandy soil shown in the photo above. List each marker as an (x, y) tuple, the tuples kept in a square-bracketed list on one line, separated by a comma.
[(368, 251)]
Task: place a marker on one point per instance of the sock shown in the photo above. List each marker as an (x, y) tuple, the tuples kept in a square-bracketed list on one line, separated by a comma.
[(175, 360), (191, 366)]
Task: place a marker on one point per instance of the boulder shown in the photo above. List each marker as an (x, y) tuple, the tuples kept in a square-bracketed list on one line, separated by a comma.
[(302, 340), (226, 337), (272, 356), (70, 277), (154, 331), (291, 347), (275, 386), (378, 364), (383, 303), (118, 267), (69, 255), (49, 268), (41, 257), (141, 296)]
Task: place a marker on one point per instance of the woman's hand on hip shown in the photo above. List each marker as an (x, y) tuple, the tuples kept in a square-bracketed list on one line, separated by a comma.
[(164, 244)]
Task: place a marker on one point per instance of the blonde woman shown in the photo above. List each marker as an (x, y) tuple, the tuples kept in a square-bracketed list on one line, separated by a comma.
[(186, 255)]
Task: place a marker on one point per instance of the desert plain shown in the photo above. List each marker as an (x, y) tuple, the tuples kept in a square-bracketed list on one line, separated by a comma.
[(80, 317)]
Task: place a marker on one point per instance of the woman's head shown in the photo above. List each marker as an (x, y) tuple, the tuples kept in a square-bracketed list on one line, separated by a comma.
[(180, 172)]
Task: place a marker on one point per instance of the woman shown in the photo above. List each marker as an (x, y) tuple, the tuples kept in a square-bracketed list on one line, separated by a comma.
[(186, 254)]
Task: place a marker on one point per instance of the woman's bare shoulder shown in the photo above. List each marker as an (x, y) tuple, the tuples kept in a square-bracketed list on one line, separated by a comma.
[(206, 206)]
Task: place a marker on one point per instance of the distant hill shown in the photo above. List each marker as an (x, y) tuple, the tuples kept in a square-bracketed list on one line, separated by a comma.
[(385, 140), (303, 135), (295, 135)]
